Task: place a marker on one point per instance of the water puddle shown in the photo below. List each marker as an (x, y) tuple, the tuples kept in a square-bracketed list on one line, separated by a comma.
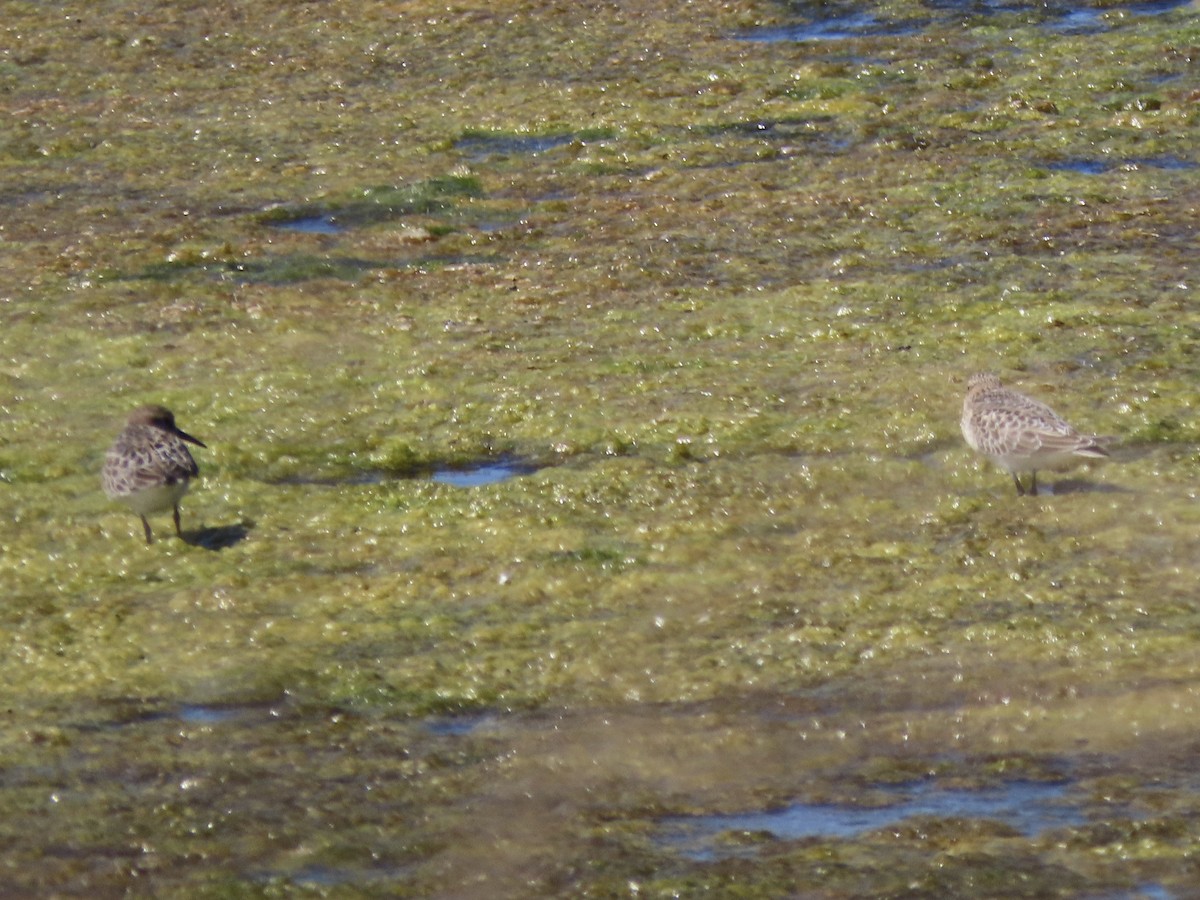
[(300, 267), (1029, 807), (457, 726), (482, 146), (311, 225), (834, 28), (252, 712), (1175, 163), (484, 474), (276, 270), (1094, 19), (468, 475), (1086, 166), (225, 713), (1078, 21), (1153, 892), (1080, 166), (810, 135), (375, 204), (771, 128), (320, 880), (853, 23)]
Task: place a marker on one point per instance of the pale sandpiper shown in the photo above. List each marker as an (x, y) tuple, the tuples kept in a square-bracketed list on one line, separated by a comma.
[(1019, 433), (149, 467)]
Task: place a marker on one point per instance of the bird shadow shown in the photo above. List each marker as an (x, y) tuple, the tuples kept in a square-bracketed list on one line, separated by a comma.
[(1081, 486), (219, 537)]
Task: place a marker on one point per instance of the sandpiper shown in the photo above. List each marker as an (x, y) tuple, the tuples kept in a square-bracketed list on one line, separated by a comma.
[(1019, 433), (149, 466)]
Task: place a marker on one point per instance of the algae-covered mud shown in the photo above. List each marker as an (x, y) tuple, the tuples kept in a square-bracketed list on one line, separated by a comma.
[(583, 510)]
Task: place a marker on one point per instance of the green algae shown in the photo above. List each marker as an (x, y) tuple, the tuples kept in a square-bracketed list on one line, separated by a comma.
[(729, 319)]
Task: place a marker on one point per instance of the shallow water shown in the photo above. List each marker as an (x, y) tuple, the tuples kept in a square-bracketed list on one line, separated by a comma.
[(823, 25), (1090, 20), (482, 146), (833, 28), (312, 225), (1029, 807), (463, 475), (484, 474), (201, 714), (1101, 166)]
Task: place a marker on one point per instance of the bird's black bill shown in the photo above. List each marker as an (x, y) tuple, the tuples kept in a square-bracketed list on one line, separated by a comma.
[(187, 437)]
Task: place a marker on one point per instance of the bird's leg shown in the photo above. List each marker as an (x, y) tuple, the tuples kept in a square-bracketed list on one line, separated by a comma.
[(1020, 487), (146, 526), (178, 532), (1033, 483)]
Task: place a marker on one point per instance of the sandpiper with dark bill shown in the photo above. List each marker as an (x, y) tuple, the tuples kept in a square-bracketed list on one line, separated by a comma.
[(1019, 433), (149, 467)]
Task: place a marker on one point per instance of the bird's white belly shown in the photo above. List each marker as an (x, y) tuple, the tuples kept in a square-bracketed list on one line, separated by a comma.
[(1038, 460), (156, 499)]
